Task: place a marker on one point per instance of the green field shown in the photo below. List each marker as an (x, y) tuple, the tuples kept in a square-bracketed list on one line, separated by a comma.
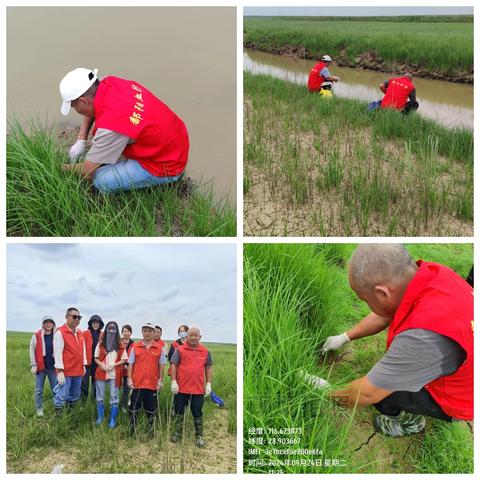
[(44, 201), (295, 296), (36, 445), (443, 47), (326, 167)]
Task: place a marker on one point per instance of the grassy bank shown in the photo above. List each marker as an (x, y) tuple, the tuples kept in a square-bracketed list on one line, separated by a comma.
[(36, 445), (427, 48), (327, 167), (294, 297), (44, 201)]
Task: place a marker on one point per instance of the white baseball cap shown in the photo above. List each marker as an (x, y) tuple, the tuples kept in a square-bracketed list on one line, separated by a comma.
[(74, 84), (148, 325)]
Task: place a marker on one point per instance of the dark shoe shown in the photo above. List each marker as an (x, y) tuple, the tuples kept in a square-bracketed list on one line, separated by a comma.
[(198, 422), (177, 428), (400, 425)]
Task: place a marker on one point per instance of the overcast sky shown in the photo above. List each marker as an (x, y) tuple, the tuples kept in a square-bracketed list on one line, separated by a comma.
[(167, 285), (356, 11)]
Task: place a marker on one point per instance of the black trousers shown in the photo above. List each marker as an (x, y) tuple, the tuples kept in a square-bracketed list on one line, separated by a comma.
[(146, 399), (420, 403), (181, 401), (89, 372), (409, 107)]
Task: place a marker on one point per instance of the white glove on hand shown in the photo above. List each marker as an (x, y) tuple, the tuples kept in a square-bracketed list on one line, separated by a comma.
[(335, 342), (34, 370), (159, 384), (174, 387), (316, 382), (208, 389), (61, 378), (77, 150)]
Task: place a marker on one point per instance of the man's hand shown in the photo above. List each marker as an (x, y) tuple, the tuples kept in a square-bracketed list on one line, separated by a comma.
[(130, 383), (174, 387), (335, 342), (77, 150), (160, 384), (335, 79), (34, 370), (208, 389), (61, 378)]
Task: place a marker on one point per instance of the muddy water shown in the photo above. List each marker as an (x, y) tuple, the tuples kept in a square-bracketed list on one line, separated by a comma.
[(186, 56), (448, 103)]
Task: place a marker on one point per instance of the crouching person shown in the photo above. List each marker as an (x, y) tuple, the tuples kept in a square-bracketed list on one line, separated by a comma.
[(110, 356), (146, 364), (191, 372)]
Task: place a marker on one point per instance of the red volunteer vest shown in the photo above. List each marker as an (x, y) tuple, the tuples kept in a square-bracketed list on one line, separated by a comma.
[(315, 80), (161, 138), (437, 299), (87, 337), (175, 345), (102, 375), (39, 352), (146, 369), (72, 352), (191, 369), (397, 93)]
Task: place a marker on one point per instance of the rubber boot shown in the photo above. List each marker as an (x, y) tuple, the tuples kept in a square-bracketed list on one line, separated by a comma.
[(100, 413), (112, 421), (177, 428), (198, 422), (399, 425), (58, 411)]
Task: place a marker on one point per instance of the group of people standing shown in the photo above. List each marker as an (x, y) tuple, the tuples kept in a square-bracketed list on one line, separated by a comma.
[(74, 360), (399, 92)]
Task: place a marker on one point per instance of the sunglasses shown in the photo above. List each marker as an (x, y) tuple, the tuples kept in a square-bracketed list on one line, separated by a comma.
[(76, 317)]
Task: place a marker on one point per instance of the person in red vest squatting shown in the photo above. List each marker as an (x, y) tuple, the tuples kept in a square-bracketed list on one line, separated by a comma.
[(146, 364), (127, 343), (428, 366), (320, 77), (191, 372), (400, 94), (130, 122), (42, 361), (91, 337), (70, 360), (182, 337), (110, 357)]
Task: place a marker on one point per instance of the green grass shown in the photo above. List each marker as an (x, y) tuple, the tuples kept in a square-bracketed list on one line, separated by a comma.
[(296, 295), (44, 201), (345, 171), (445, 48), (36, 445)]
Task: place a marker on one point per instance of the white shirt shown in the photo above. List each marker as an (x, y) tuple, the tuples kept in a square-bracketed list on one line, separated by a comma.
[(59, 345), (109, 360)]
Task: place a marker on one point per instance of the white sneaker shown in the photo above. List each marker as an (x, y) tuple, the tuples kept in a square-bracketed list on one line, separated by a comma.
[(39, 412)]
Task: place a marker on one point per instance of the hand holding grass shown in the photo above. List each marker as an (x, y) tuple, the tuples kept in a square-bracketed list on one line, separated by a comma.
[(77, 150), (208, 389), (34, 370), (335, 342)]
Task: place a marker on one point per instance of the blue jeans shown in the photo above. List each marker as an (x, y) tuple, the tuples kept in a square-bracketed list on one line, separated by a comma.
[(40, 382), (127, 175), (100, 386), (69, 392)]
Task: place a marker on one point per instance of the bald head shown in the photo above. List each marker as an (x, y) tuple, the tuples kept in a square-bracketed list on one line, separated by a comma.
[(375, 264), (193, 336)]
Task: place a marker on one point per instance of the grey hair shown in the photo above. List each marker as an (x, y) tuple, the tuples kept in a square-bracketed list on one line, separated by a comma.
[(374, 264), (409, 75)]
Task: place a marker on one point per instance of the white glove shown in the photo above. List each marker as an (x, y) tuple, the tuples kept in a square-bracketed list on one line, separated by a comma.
[(34, 370), (61, 378), (174, 387), (77, 150), (159, 384), (335, 342), (208, 389), (315, 381)]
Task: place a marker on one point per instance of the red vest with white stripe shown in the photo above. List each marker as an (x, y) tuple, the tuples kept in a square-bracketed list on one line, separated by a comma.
[(160, 137), (72, 351), (315, 80), (439, 300), (191, 369), (102, 374), (397, 93)]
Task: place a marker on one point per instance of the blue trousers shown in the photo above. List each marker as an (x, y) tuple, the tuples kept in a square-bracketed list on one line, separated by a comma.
[(127, 175), (69, 392), (40, 382), (100, 386)]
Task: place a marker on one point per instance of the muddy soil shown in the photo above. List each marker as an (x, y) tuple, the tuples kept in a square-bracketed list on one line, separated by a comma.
[(369, 60)]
